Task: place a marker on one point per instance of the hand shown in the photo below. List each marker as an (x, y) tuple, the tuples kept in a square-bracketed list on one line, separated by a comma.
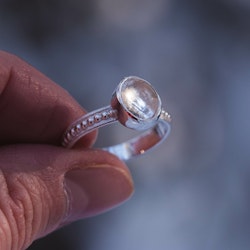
[(42, 185)]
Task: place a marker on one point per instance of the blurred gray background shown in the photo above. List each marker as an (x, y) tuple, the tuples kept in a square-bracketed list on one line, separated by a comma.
[(193, 191)]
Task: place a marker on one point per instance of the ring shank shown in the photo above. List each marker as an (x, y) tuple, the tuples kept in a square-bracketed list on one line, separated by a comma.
[(142, 143), (126, 150)]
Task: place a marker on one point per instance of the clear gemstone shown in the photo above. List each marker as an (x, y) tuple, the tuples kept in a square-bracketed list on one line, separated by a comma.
[(139, 98)]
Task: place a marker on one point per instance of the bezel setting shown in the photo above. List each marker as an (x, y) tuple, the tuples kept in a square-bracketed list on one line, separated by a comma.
[(138, 103)]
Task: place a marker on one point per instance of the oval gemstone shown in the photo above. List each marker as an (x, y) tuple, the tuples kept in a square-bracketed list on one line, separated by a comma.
[(139, 98)]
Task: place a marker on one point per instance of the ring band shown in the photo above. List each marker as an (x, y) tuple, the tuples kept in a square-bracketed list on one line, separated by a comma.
[(136, 105)]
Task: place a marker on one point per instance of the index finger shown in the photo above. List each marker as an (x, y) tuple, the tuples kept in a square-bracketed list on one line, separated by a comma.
[(33, 109)]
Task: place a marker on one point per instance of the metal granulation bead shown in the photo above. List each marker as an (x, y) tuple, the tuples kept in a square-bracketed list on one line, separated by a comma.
[(165, 116), (84, 124)]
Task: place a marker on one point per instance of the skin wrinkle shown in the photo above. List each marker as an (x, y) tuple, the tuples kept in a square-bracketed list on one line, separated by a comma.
[(39, 222), (27, 214), (51, 217), (6, 208), (27, 202), (5, 226), (47, 217), (37, 199), (18, 208), (4, 236), (20, 217), (48, 175)]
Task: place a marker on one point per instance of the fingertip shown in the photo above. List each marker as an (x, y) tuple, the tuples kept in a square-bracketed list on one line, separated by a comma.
[(97, 188)]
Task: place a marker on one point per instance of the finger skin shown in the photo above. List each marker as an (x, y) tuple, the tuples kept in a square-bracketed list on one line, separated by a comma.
[(33, 199), (33, 109)]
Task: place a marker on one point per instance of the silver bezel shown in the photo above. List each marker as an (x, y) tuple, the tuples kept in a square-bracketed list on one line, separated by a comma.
[(128, 118)]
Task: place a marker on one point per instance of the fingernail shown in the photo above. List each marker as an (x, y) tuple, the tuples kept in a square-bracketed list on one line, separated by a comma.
[(95, 189)]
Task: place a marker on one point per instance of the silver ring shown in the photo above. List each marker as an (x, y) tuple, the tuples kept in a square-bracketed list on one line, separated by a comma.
[(136, 105)]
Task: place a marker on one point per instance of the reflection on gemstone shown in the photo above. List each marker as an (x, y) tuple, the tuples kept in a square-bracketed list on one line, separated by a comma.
[(139, 98)]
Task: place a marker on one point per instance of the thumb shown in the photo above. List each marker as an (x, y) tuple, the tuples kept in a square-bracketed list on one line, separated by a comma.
[(45, 187)]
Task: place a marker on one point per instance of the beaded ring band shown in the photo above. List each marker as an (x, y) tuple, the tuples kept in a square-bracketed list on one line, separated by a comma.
[(136, 105)]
